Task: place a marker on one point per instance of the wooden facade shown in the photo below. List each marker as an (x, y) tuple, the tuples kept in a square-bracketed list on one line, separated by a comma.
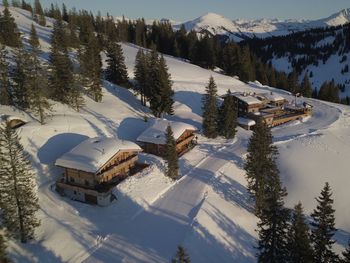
[(183, 143), (118, 166), (243, 107), (96, 188)]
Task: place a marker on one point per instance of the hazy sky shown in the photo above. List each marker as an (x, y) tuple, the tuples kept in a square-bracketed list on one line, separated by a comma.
[(183, 10)]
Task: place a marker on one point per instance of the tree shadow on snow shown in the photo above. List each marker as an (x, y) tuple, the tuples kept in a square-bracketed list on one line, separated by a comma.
[(191, 99)]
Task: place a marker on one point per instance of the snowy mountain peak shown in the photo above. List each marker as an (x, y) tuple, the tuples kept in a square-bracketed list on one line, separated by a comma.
[(339, 18), (212, 23), (240, 29)]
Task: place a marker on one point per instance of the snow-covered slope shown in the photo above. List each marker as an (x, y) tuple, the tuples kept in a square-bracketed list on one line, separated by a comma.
[(240, 29), (208, 209)]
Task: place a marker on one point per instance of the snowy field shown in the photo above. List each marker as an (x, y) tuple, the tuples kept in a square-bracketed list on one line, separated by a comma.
[(208, 209)]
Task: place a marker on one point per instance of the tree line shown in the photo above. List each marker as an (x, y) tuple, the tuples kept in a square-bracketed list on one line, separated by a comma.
[(285, 235)]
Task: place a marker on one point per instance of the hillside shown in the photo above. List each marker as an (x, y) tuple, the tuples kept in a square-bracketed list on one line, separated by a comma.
[(240, 29), (207, 210), (323, 54)]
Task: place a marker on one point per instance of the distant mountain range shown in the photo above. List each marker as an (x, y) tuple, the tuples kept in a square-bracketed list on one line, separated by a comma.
[(239, 30)]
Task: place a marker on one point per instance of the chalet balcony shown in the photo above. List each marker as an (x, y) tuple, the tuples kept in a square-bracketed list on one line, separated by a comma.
[(119, 168), (185, 141)]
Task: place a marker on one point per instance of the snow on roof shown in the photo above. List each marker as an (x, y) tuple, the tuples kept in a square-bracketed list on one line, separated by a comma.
[(156, 132), (7, 118), (249, 99), (93, 153), (245, 121), (273, 97)]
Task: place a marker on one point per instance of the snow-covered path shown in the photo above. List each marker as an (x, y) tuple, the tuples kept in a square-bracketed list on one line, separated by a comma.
[(154, 234)]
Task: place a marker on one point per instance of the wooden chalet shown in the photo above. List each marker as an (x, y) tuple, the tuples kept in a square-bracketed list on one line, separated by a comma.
[(153, 139), (94, 167), (247, 103)]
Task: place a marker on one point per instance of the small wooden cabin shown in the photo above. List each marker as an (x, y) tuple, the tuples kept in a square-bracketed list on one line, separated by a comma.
[(153, 139), (92, 168)]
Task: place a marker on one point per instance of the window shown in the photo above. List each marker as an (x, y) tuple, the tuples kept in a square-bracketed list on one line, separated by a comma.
[(71, 179), (87, 183)]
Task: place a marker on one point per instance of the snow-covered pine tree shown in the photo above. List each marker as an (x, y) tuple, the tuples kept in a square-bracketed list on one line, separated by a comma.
[(116, 69), (299, 244), (181, 256), (323, 227), (166, 91), (260, 160), (9, 34), (90, 64), (5, 86), (36, 80), (228, 117), (61, 67), (210, 110), (171, 156), (77, 100), (346, 254), (18, 189), (3, 254), (306, 88)]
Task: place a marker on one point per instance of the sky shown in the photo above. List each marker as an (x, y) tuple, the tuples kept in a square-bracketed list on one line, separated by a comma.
[(183, 10)]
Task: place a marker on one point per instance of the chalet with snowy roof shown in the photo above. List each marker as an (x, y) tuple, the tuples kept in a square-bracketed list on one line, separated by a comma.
[(94, 167), (272, 99), (153, 139), (247, 103)]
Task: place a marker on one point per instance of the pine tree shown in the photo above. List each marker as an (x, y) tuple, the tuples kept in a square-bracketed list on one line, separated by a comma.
[(39, 16), (36, 82), (91, 64), (16, 3), (19, 91), (293, 85), (265, 186), (181, 256), (273, 222), (3, 254), (153, 82), (61, 67), (323, 227), (210, 110), (299, 244), (141, 75), (5, 87), (166, 91), (228, 117), (33, 39), (171, 156), (9, 34), (116, 71), (19, 201), (306, 88), (260, 161), (346, 255)]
